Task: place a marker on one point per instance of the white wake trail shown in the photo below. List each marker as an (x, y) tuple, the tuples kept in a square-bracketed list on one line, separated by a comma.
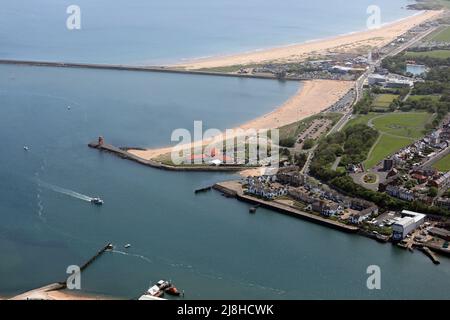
[(132, 255), (67, 192)]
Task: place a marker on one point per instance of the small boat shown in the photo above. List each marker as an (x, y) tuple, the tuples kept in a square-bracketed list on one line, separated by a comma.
[(127, 246), (97, 201), (26, 148), (163, 284), (173, 291), (68, 107), (155, 291)]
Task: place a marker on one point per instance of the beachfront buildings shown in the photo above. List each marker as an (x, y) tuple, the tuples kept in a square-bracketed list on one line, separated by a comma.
[(265, 187)]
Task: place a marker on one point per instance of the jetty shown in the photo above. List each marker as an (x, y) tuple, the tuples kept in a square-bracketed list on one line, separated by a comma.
[(109, 246), (45, 292), (124, 154), (430, 254), (201, 190), (234, 189)]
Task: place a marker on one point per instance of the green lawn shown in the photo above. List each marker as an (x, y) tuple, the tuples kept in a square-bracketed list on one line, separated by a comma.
[(439, 54), (435, 98), (408, 125), (384, 100), (443, 35), (398, 130), (385, 146), (364, 119), (443, 165)]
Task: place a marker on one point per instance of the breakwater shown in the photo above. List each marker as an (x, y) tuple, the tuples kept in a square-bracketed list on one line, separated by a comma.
[(161, 69), (124, 154)]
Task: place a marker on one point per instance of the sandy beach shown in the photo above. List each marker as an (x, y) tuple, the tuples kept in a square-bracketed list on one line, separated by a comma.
[(59, 294), (314, 96), (345, 43), (311, 98)]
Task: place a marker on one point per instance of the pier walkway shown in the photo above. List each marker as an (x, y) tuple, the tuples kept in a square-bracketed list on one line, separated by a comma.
[(121, 152)]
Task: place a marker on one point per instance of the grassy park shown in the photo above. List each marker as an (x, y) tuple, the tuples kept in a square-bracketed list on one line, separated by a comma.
[(438, 54), (443, 35), (383, 101), (397, 130), (443, 164)]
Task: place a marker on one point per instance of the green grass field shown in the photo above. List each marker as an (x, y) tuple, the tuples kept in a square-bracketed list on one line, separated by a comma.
[(383, 101), (419, 97), (439, 54), (443, 35), (384, 147), (397, 130), (443, 165), (407, 125), (364, 119)]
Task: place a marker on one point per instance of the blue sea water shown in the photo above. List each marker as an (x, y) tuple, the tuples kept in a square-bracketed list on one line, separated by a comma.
[(209, 246), (155, 31)]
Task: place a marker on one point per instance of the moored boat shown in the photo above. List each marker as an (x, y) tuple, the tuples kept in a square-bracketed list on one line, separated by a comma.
[(173, 291)]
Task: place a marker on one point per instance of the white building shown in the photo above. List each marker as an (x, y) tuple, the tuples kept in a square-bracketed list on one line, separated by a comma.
[(411, 221), (376, 79), (399, 83)]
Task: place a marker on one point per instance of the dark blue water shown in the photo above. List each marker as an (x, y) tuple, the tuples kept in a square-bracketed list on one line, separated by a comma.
[(152, 31), (208, 245)]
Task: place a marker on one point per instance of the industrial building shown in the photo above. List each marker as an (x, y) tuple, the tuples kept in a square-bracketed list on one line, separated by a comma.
[(389, 82), (409, 222)]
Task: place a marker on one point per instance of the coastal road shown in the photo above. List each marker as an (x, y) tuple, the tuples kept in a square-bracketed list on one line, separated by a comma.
[(411, 42), (359, 84), (436, 158)]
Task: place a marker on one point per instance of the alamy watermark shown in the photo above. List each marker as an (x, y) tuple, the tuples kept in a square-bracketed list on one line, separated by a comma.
[(374, 280), (374, 19), (251, 147), (73, 21), (73, 282)]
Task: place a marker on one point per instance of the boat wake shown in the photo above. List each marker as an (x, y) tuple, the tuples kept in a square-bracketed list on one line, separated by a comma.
[(67, 192), (133, 255)]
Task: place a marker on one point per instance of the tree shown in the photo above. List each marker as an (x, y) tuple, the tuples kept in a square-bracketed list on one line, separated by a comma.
[(309, 143), (433, 192)]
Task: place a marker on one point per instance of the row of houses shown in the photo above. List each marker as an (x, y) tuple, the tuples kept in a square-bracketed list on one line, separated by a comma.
[(443, 203), (265, 187)]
